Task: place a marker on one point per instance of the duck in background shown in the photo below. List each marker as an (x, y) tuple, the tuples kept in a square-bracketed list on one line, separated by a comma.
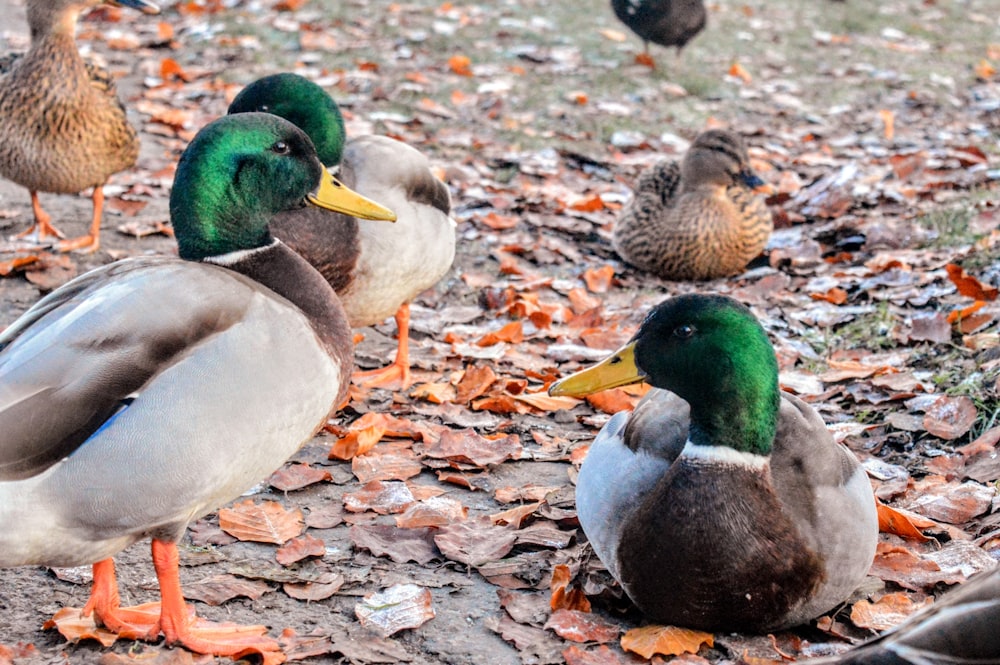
[(720, 503), (699, 219), (376, 269), (62, 127), (148, 392), (663, 22)]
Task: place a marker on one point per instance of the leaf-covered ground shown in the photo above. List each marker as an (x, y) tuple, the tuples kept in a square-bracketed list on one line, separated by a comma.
[(879, 129)]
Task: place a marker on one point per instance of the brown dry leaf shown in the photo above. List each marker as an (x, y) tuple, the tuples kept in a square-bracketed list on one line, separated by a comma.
[(901, 524), (400, 545), (950, 501), (299, 548), (598, 280), (394, 460), (16, 263), (667, 640), (296, 476), (836, 296), (968, 285), (321, 589), (460, 64), (356, 442), (580, 301), (499, 222), (217, 589), (564, 596), (470, 447), (513, 333), (476, 380), (888, 612), (475, 542), (169, 69), (950, 417), (384, 497), (984, 70), (612, 401), (900, 565), (545, 402), (325, 516), (888, 122), (593, 203), (578, 626), (515, 517), (74, 627), (986, 442), (963, 313), (602, 655), (434, 511), (397, 608), (435, 393), (267, 522)]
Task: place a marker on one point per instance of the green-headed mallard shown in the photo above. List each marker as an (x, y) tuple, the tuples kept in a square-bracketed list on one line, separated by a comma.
[(723, 504), (375, 268), (148, 392), (62, 127), (699, 219), (960, 628), (663, 22)]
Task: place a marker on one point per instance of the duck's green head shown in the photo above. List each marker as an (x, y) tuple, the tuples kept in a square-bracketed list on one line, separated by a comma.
[(308, 107), (237, 173), (302, 103), (712, 352)]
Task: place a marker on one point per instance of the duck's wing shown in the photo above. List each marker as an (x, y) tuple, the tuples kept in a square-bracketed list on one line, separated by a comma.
[(826, 493), (81, 353), (961, 628), (630, 454)]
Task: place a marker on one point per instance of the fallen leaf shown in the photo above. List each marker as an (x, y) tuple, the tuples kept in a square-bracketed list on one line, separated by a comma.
[(380, 496), (667, 640), (267, 522), (397, 608), (400, 545), (217, 589), (474, 542), (300, 548), (887, 612), (460, 65), (899, 523), (578, 626), (950, 417), (296, 476), (968, 285), (564, 596), (598, 280)]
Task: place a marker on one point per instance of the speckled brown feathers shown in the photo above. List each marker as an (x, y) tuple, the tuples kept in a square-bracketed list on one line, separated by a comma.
[(664, 22), (699, 219)]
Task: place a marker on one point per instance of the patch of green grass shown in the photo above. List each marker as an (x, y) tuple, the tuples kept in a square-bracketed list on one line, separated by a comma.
[(872, 331)]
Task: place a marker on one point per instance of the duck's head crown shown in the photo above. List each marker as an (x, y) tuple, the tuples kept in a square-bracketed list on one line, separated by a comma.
[(717, 157), (711, 351), (233, 177), (304, 104)]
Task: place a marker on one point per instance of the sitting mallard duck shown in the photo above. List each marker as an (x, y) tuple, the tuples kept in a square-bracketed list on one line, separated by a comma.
[(376, 269), (699, 219), (62, 127), (960, 628), (663, 22), (724, 504), (150, 391)]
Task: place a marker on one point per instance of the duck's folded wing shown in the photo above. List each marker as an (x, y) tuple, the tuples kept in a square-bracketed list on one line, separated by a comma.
[(76, 357)]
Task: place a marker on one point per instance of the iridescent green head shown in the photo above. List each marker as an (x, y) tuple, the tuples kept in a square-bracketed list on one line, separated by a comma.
[(304, 104), (712, 352), (232, 179)]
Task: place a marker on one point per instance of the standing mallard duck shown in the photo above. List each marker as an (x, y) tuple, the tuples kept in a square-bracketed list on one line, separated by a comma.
[(960, 628), (663, 22), (724, 504), (62, 128), (149, 392), (699, 219), (376, 269)]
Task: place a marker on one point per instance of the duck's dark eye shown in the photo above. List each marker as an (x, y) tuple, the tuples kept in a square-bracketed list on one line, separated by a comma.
[(684, 331), (280, 148)]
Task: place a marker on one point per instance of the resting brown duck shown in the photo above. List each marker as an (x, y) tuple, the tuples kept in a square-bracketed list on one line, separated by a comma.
[(62, 127), (376, 268), (699, 219), (663, 22)]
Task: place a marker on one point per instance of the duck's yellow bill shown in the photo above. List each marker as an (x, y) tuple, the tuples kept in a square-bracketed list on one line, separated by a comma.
[(618, 369), (335, 195)]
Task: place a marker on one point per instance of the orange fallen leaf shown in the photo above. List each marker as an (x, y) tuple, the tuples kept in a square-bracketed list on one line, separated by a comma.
[(985, 70), (591, 204), (170, 69), (737, 71), (564, 596), (266, 522), (356, 442), (667, 640), (578, 626), (299, 548), (435, 393), (835, 296), (545, 402), (888, 122), (460, 64), (902, 524), (598, 280), (499, 222), (513, 332), (887, 612), (296, 476), (645, 59), (968, 285), (72, 625), (475, 382), (289, 5), (612, 401)]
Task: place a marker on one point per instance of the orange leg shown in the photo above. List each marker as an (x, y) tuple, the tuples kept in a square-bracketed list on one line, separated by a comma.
[(398, 373), (134, 623), (92, 241), (42, 227), (199, 635)]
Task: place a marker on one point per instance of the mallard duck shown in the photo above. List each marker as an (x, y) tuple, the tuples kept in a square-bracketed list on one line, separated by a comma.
[(375, 268), (150, 391), (723, 504), (699, 219), (960, 628), (663, 22), (62, 127)]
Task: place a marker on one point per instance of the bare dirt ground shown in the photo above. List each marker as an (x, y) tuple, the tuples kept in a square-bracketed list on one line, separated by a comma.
[(878, 128)]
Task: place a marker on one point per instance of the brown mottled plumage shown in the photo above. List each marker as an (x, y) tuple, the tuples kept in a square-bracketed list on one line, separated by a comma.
[(62, 127), (699, 219)]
